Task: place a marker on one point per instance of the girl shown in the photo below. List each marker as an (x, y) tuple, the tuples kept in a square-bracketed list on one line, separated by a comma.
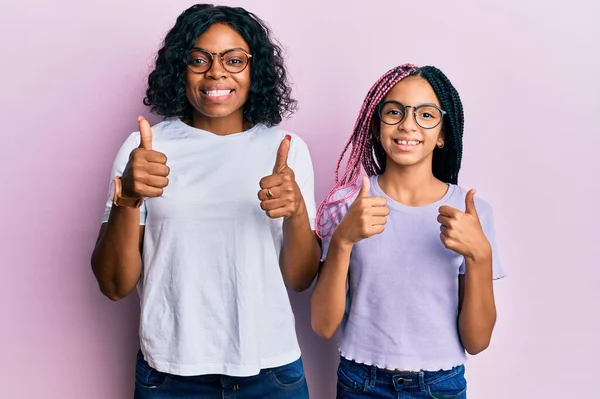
[(409, 256), (184, 224)]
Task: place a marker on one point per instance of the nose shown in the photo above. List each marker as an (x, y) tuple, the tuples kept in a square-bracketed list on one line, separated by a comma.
[(408, 124), (216, 70)]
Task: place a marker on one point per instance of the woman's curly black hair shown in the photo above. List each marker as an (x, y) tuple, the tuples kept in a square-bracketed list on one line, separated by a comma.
[(269, 99)]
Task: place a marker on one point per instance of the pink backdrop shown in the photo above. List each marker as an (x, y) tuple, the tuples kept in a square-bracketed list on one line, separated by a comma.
[(73, 75)]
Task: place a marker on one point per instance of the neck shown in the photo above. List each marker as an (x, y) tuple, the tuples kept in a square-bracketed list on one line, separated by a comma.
[(413, 185), (230, 124)]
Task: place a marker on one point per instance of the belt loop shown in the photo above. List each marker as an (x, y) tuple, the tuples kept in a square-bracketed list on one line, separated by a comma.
[(373, 378), (422, 381)]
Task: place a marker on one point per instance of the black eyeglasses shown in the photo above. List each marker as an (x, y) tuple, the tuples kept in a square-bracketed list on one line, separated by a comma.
[(426, 116), (233, 61)]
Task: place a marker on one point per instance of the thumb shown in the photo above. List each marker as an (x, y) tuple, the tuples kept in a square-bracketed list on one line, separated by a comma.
[(470, 203), (366, 187), (145, 133), (282, 154)]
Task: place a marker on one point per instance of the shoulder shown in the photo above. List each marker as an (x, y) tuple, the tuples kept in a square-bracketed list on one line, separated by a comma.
[(170, 129), (166, 126), (159, 130), (483, 207), (343, 197), (299, 156), (348, 192), (276, 134), (334, 207)]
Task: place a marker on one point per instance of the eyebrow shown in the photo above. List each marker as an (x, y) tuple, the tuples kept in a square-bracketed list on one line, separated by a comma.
[(221, 52), (418, 105)]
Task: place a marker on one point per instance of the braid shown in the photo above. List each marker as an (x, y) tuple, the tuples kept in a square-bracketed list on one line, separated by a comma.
[(368, 153), (362, 149), (447, 160)]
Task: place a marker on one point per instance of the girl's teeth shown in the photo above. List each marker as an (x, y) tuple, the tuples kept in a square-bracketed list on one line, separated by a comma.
[(217, 93), (407, 142)]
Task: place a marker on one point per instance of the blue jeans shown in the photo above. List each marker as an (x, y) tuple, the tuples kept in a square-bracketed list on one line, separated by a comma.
[(285, 382), (357, 381)]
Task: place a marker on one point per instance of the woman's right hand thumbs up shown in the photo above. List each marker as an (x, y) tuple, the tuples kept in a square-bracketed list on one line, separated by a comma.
[(146, 172)]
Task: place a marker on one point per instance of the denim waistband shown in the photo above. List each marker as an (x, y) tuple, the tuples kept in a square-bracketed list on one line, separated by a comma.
[(398, 379)]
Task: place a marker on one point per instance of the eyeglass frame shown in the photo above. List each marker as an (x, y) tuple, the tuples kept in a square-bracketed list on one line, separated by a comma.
[(380, 106), (220, 56)]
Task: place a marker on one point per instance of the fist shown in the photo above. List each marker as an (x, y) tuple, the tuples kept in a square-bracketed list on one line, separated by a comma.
[(146, 172), (461, 232), (279, 193), (366, 217)]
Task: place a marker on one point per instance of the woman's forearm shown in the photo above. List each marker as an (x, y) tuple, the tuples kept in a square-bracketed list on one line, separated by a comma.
[(301, 252), (116, 260)]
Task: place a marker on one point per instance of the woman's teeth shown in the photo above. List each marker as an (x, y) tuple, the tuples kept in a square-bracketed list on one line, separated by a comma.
[(216, 93)]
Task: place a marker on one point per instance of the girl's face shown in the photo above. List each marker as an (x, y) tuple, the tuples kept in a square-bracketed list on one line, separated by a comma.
[(217, 92), (409, 143)]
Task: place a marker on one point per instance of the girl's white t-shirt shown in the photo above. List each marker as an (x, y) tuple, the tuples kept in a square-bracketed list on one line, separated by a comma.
[(213, 300)]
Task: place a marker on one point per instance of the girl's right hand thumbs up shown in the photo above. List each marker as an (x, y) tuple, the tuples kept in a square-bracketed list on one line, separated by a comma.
[(366, 217)]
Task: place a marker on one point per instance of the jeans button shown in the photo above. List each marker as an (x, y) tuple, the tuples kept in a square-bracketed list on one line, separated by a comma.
[(400, 381)]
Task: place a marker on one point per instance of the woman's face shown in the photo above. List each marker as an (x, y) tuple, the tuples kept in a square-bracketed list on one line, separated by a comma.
[(218, 93), (407, 143)]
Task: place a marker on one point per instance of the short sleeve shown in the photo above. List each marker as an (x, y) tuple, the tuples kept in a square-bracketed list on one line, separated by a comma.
[(119, 164), (301, 164), (486, 217), (334, 214)]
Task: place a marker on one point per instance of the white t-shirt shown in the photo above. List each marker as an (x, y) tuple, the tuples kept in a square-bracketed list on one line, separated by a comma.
[(213, 300)]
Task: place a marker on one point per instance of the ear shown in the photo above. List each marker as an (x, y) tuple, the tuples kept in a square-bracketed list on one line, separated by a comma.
[(375, 133), (441, 141)]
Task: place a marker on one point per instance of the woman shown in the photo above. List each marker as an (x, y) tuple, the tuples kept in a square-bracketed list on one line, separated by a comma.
[(211, 215), (409, 256)]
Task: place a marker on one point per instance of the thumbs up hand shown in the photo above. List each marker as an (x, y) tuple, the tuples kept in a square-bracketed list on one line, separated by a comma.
[(279, 193), (366, 216), (462, 231), (146, 172), (282, 155)]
